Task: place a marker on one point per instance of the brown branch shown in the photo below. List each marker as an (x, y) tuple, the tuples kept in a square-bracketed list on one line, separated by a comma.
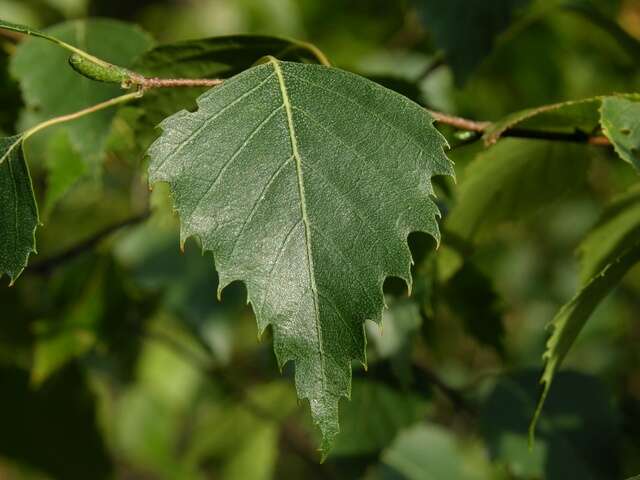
[(482, 127), (149, 83), (459, 122), (49, 264)]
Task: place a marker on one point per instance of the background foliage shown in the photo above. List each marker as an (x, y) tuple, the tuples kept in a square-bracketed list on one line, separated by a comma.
[(117, 361)]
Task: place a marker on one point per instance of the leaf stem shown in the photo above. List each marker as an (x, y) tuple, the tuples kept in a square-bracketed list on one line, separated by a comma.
[(73, 116)]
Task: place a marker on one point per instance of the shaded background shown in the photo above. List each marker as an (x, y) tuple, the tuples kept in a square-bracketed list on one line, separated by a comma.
[(116, 361)]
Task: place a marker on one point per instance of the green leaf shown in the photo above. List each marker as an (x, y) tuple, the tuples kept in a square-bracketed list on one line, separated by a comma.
[(429, 452), (373, 417), (565, 117), (572, 317), (621, 124), (218, 57), (504, 183), (51, 88), (618, 229), (471, 295), (304, 181), (467, 30), (18, 209), (579, 420), (64, 166)]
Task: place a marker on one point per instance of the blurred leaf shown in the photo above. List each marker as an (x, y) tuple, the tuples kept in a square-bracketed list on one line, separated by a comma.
[(618, 229), (18, 209), (185, 283), (372, 418), (578, 434), (467, 29), (588, 9), (572, 317), (399, 322), (36, 63), (95, 313), (427, 452), (621, 124), (65, 167), (503, 184), (270, 216), (470, 294), (53, 428)]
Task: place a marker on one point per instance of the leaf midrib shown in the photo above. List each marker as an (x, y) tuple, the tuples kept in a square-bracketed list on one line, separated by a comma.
[(303, 207)]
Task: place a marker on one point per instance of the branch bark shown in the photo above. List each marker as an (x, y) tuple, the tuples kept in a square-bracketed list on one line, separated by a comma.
[(481, 127)]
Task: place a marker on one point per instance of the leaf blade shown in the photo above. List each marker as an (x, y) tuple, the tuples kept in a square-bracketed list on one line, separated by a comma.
[(267, 173), (18, 209)]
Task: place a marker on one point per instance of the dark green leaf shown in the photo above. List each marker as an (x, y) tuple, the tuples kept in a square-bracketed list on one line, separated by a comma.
[(578, 433), (467, 29), (18, 209), (305, 181), (471, 295)]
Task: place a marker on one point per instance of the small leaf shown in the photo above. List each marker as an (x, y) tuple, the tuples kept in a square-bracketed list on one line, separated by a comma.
[(621, 124), (574, 315), (467, 30), (504, 183), (18, 209), (304, 181)]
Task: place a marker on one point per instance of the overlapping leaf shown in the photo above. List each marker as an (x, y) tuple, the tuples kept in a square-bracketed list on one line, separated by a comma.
[(18, 209), (304, 181)]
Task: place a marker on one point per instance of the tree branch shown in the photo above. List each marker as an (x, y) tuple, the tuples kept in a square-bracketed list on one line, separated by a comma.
[(482, 127)]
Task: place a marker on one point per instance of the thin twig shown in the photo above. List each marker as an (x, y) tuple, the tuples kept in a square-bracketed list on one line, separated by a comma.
[(49, 264), (149, 83), (459, 122), (482, 127)]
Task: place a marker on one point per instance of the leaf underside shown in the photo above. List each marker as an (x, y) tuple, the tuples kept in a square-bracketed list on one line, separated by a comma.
[(18, 210), (305, 181)]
